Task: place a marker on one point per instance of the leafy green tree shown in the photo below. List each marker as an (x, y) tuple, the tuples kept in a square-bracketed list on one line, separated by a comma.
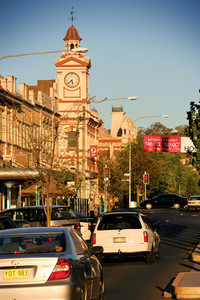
[(193, 131)]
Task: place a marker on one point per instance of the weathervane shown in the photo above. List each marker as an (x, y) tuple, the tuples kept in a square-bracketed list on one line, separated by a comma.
[(72, 17)]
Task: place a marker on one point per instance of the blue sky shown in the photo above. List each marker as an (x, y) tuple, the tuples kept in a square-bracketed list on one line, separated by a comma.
[(150, 48)]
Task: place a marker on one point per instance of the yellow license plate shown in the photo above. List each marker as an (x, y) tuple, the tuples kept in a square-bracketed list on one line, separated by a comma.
[(15, 274), (119, 240)]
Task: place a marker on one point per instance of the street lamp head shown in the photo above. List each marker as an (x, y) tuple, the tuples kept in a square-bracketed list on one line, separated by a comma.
[(80, 50), (165, 116), (132, 98)]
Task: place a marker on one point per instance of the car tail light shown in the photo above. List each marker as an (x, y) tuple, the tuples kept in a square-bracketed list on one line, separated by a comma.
[(94, 238), (145, 236), (62, 270), (77, 226), (189, 202)]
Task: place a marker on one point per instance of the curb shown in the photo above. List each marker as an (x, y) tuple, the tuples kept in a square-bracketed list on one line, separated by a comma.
[(186, 286)]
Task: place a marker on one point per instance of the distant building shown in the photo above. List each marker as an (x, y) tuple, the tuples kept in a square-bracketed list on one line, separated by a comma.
[(23, 118), (122, 131)]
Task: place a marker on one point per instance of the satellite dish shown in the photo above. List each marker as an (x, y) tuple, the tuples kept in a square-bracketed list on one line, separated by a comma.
[(80, 50)]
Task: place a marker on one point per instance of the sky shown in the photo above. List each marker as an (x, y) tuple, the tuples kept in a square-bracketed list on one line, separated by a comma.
[(148, 48)]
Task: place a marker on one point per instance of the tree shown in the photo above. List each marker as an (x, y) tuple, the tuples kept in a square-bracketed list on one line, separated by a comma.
[(41, 138), (193, 131), (166, 171)]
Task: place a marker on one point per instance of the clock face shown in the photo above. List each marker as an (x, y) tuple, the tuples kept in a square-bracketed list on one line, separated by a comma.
[(71, 79)]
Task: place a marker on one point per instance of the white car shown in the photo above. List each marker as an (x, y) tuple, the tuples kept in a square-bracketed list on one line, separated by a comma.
[(87, 225), (127, 234), (194, 203)]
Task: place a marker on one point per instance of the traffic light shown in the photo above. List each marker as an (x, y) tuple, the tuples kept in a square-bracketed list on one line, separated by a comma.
[(146, 178), (107, 172)]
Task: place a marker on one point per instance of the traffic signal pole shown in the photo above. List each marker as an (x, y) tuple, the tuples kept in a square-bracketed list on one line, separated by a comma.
[(145, 181)]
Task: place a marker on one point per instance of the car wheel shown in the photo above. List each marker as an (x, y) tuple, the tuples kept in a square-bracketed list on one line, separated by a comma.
[(189, 209), (176, 205), (148, 206), (83, 291), (150, 257)]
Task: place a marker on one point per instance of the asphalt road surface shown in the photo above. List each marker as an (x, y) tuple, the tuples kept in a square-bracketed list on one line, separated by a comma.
[(135, 279)]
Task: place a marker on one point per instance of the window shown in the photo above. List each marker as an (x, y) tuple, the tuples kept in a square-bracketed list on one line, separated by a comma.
[(33, 243), (119, 222), (37, 215), (72, 139), (79, 244), (148, 223), (62, 213), (4, 126)]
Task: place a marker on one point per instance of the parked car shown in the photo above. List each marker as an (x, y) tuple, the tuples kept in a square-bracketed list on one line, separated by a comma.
[(61, 216), (126, 234), (165, 200), (23, 223), (48, 263), (7, 223), (87, 225), (194, 203)]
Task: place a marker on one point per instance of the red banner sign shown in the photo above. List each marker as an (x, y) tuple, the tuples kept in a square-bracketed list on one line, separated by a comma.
[(93, 150), (162, 143)]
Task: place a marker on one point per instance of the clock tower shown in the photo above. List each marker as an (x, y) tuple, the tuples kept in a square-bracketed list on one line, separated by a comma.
[(73, 71), (79, 125)]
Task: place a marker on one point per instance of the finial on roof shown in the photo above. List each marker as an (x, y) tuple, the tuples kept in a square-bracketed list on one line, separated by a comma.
[(72, 17)]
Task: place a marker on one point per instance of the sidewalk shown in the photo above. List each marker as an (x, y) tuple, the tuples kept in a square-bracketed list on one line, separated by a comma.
[(186, 285)]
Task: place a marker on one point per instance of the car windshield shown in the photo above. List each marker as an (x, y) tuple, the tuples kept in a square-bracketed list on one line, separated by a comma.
[(32, 243), (62, 213), (119, 221)]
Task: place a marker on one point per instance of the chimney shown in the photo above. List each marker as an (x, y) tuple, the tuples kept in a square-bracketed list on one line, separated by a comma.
[(23, 90), (4, 83), (32, 96), (11, 84)]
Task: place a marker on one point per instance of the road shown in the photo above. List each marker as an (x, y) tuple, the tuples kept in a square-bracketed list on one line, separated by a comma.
[(135, 279)]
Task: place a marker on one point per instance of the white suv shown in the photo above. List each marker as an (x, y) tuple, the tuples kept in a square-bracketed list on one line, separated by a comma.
[(128, 234)]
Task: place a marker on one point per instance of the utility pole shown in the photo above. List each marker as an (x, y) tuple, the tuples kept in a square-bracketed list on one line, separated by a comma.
[(84, 157)]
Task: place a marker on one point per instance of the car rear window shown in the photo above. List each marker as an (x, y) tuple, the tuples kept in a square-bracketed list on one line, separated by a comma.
[(195, 198), (62, 213), (32, 243), (119, 221)]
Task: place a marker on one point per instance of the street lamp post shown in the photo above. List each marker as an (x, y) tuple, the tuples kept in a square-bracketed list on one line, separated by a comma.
[(129, 172), (106, 99), (162, 116)]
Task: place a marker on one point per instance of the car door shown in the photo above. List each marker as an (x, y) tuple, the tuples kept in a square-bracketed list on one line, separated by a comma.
[(172, 199), (158, 201), (84, 260), (155, 239)]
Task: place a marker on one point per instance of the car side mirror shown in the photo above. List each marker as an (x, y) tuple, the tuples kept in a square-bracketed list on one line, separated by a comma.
[(97, 250)]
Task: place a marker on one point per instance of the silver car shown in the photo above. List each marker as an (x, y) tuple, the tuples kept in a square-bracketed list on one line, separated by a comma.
[(194, 203), (48, 263)]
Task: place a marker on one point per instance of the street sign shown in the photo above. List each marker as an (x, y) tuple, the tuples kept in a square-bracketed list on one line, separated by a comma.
[(93, 150)]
